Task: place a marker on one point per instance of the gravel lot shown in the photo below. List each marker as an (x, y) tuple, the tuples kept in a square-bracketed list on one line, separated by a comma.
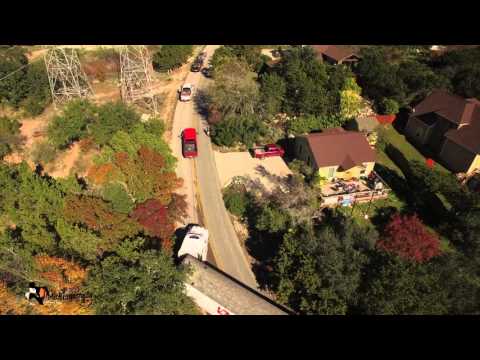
[(234, 164)]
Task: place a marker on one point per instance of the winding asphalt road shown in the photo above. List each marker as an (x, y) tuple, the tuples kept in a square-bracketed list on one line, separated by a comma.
[(203, 190)]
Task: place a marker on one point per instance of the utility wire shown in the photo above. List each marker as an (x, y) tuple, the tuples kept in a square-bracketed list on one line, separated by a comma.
[(13, 72)]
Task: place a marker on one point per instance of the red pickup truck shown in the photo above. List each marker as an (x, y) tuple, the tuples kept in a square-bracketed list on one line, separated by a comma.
[(267, 151), (189, 143)]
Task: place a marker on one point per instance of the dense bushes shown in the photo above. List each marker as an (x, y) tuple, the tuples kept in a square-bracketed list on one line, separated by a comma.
[(306, 124), (246, 129), (171, 56), (27, 88), (236, 200), (9, 135)]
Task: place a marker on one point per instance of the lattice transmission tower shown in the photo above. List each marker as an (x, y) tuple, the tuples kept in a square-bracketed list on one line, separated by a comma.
[(135, 77), (65, 74)]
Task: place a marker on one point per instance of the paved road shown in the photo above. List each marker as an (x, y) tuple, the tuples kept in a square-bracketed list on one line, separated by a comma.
[(202, 187)]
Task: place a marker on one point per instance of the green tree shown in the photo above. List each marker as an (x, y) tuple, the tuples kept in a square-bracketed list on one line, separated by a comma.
[(116, 194), (466, 82), (235, 90), (13, 63), (141, 283), (389, 107), (72, 125), (149, 135), (273, 90), (171, 56), (33, 203), (351, 101), (38, 89), (246, 129), (236, 200), (79, 242), (306, 83), (396, 287), (318, 272), (271, 219), (111, 118), (9, 135)]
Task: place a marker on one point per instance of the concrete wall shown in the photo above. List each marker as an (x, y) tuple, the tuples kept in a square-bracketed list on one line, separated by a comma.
[(456, 158), (206, 303)]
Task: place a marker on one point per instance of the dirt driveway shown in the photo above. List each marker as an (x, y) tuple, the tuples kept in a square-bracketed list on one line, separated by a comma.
[(230, 165)]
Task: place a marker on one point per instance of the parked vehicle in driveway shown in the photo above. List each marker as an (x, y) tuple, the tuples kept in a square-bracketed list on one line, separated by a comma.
[(207, 72), (189, 143), (186, 92), (268, 151)]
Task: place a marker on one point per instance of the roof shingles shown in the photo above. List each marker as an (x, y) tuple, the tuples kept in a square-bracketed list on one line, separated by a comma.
[(337, 147)]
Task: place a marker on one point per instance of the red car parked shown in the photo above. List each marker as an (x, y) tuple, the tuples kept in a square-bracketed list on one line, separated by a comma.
[(189, 143), (267, 151)]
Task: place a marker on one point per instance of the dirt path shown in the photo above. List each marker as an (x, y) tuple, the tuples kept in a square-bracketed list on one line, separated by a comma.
[(63, 164)]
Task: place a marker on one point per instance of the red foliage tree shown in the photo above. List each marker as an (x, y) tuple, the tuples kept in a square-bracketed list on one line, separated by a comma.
[(99, 216), (153, 216), (408, 238)]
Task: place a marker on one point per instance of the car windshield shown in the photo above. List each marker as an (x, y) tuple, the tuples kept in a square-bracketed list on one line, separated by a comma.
[(190, 146)]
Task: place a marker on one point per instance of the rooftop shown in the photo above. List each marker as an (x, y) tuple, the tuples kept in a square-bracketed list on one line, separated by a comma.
[(337, 147), (228, 292), (335, 52), (460, 111)]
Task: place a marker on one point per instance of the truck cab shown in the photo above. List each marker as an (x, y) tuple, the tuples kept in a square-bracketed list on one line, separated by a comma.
[(195, 242), (186, 92), (268, 151), (189, 143)]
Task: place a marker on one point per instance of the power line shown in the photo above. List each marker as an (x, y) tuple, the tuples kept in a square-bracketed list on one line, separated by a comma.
[(20, 68)]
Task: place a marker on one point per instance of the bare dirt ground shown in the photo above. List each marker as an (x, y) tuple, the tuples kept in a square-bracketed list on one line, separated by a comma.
[(230, 165)]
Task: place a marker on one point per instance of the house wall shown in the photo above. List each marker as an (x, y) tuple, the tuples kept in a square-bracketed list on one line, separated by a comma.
[(417, 130), (456, 158), (302, 152), (475, 164), (436, 138), (346, 175)]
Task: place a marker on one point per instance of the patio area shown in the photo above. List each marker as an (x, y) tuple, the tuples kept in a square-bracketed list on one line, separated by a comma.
[(346, 192)]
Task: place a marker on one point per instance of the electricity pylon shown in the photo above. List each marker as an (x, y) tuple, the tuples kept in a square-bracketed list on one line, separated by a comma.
[(135, 77), (65, 75)]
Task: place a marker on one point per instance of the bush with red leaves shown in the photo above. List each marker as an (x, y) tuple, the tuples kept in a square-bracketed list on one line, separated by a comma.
[(408, 238), (153, 216)]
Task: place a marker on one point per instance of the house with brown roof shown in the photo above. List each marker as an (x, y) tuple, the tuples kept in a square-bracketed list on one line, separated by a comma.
[(335, 54), (449, 126), (337, 153)]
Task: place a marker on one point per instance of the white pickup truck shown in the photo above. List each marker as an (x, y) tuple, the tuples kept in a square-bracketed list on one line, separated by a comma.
[(195, 243), (186, 92)]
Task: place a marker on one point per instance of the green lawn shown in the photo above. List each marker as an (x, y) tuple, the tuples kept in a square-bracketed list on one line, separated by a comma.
[(396, 139)]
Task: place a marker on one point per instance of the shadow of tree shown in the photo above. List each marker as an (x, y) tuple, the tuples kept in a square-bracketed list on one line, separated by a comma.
[(201, 103), (419, 199)]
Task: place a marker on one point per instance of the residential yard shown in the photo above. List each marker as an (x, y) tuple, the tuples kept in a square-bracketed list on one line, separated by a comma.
[(393, 137), (377, 210)]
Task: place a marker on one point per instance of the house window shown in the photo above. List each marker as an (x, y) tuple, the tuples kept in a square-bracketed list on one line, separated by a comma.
[(331, 172)]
